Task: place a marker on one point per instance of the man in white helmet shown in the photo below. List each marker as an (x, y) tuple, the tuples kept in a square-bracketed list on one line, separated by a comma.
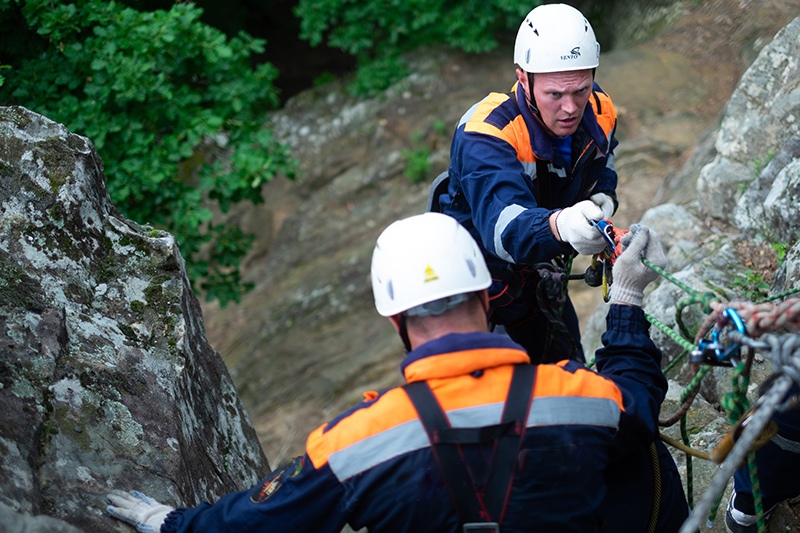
[(479, 439), (530, 169)]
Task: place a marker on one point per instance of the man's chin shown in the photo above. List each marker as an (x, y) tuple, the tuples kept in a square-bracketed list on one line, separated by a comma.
[(563, 131)]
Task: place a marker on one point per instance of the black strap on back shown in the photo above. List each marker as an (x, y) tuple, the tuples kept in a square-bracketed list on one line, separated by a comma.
[(478, 510)]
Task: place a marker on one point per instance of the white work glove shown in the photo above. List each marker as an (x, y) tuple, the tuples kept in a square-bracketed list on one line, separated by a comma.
[(574, 227), (630, 275), (143, 513), (604, 202)]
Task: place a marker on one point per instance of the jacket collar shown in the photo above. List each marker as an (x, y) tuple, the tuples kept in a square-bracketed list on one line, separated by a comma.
[(461, 353)]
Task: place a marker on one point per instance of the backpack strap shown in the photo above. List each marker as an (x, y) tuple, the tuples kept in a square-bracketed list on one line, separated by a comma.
[(478, 510)]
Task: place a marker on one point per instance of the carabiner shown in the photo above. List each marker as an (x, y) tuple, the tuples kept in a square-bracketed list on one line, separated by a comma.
[(712, 352)]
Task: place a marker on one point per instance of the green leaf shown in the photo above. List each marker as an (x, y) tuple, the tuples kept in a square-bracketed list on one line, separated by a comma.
[(152, 90)]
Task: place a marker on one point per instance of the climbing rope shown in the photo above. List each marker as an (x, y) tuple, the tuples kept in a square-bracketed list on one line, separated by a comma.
[(731, 324), (768, 404)]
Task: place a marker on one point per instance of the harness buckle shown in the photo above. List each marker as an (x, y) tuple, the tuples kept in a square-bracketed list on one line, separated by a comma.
[(481, 527)]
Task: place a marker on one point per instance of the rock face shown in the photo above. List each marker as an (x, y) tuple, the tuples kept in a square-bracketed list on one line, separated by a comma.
[(106, 377)]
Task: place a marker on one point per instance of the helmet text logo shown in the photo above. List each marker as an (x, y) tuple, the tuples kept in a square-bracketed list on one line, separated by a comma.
[(575, 53)]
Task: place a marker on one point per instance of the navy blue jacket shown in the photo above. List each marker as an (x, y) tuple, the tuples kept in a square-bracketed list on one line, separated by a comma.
[(507, 177), (373, 467)]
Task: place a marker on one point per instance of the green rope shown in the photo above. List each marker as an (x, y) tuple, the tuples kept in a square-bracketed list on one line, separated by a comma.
[(675, 361), (755, 487), (735, 402), (781, 295), (658, 270), (695, 383), (705, 299), (669, 332), (712, 513)]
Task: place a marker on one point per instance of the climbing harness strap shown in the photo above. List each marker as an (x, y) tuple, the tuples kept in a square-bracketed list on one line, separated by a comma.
[(480, 510)]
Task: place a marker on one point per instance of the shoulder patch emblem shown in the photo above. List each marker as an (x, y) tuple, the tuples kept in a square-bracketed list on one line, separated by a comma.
[(276, 480)]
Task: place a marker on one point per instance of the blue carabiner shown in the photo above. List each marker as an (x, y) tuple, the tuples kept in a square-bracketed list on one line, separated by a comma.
[(712, 352), (605, 228), (731, 314)]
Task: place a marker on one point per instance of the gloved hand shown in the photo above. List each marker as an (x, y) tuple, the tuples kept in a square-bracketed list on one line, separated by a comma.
[(630, 275), (604, 202), (143, 513), (574, 227)]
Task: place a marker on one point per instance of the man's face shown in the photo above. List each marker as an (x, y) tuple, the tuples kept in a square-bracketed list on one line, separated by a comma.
[(561, 98)]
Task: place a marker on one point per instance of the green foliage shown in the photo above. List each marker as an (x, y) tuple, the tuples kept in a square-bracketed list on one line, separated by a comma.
[(323, 79), (378, 74), (780, 249), (173, 106), (418, 167), (379, 30), (751, 285), (760, 164)]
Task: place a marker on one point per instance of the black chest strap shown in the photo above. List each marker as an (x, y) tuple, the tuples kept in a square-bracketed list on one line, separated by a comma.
[(480, 509)]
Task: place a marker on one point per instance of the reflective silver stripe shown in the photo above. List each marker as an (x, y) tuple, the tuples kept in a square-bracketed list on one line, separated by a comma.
[(530, 169), (558, 171), (410, 436), (407, 437), (506, 217), (787, 445), (372, 451), (561, 410), (611, 163), (468, 115)]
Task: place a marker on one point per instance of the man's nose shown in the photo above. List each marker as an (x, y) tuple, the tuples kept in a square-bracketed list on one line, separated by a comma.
[(568, 104)]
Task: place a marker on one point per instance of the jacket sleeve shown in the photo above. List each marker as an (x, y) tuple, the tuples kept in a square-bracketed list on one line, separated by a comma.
[(295, 497), (511, 224), (631, 359)]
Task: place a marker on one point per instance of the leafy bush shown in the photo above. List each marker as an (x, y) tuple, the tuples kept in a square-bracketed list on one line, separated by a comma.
[(380, 30), (173, 106), (417, 157)]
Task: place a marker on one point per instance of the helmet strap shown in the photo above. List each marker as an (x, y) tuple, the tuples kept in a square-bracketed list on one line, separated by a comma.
[(403, 331), (532, 102)]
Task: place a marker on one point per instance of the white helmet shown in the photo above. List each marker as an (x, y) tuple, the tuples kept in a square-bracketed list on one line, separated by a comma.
[(556, 38), (422, 259)]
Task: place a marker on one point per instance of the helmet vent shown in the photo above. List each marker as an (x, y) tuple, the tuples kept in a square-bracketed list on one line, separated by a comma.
[(471, 267)]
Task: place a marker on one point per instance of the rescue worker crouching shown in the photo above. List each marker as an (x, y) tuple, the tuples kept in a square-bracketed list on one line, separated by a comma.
[(386, 466), (530, 169)]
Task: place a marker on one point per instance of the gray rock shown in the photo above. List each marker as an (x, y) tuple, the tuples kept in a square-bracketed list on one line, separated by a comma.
[(769, 208), (107, 378), (12, 521)]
